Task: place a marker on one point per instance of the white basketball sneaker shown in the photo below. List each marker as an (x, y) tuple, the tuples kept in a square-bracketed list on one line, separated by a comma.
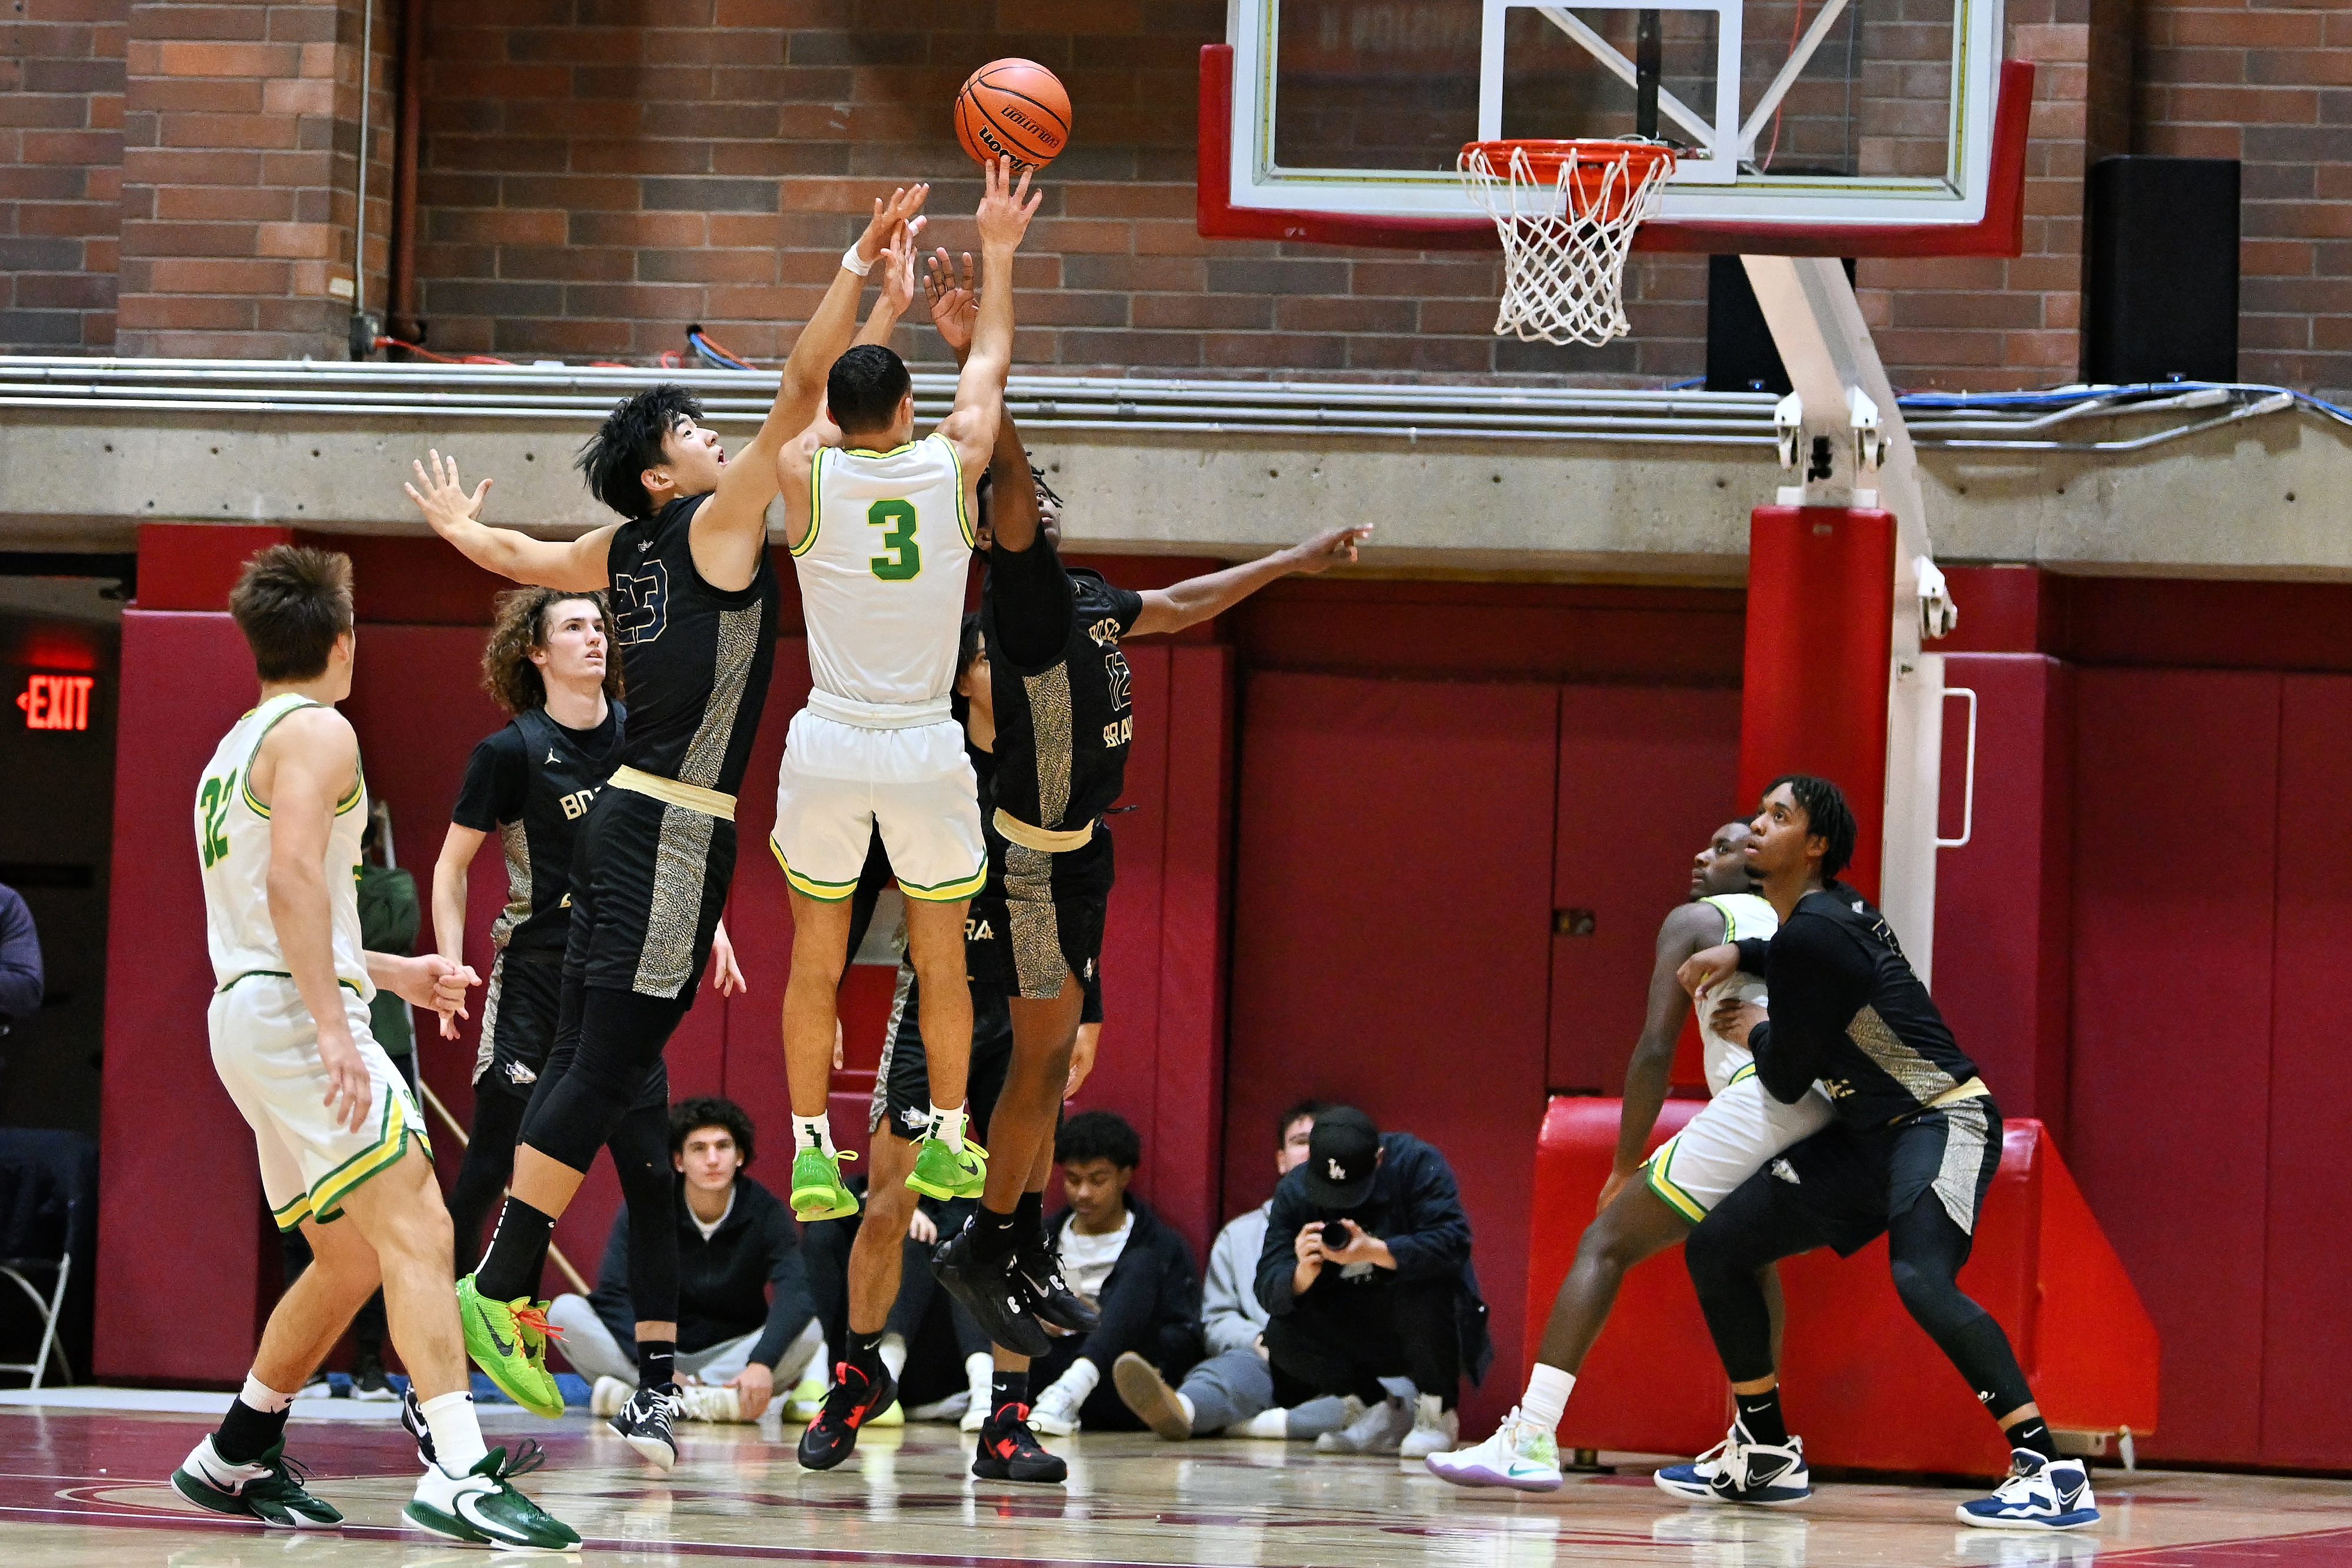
[(2039, 1494), (1739, 1470), (1434, 1430), (1521, 1456)]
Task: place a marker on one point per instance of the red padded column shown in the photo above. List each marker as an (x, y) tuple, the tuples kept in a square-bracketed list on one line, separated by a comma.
[(1820, 635)]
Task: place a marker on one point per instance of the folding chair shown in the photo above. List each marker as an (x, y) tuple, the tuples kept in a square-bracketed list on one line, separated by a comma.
[(61, 1265)]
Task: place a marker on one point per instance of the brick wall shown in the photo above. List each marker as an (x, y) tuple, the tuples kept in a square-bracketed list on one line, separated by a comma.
[(60, 172), (2270, 84), (240, 177), (598, 173)]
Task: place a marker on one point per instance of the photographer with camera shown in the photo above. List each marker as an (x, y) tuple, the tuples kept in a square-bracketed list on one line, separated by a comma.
[(1366, 1274)]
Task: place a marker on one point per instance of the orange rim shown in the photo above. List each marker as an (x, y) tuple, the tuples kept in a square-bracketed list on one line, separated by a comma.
[(1587, 164)]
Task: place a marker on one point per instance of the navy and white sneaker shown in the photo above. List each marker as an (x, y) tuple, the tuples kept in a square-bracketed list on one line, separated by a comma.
[(645, 1424), (1739, 1470), (2039, 1494)]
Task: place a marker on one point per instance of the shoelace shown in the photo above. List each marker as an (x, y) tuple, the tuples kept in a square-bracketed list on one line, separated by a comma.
[(288, 1473), (534, 1319), (524, 1458)]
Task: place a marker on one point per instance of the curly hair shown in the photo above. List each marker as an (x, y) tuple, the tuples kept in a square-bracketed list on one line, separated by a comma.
[(688, 1117), (1099, 1136), (1827, 818), (518, 626)]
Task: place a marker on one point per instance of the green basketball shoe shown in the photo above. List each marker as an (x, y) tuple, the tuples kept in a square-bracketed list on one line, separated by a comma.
[(270, 1490), (484, 1506), (502, 1337), (943, 1173), (817, 1192)]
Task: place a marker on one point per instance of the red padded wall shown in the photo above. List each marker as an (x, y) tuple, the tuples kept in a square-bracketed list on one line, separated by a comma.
[(1646, 775), (2176, 830), (164, 1119), (2003, 901), (2307, 1265), (1391, 938)]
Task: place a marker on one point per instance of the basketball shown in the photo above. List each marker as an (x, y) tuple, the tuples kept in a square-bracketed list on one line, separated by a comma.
[(1013, 109)]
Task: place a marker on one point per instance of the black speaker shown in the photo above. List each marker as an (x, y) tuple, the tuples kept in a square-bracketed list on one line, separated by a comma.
[(2160, 270), (1740, 355)]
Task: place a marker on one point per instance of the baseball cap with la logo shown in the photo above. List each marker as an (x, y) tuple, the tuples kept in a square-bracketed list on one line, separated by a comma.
[(1342, 1154)]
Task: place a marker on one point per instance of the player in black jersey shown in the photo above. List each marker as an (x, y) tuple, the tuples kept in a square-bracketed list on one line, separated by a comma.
[(531, 783), (1915, 1146), (694, 601), (1059, 720)]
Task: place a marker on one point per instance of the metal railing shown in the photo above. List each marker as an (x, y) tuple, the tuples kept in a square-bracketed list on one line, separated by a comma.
[(2034, 422)]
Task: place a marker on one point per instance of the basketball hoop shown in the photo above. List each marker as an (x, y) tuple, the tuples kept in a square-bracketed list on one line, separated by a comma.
[(1567, 211)]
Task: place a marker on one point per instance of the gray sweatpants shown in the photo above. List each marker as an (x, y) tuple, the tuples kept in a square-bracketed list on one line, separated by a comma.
[(594, 1352), (1229, 1388)]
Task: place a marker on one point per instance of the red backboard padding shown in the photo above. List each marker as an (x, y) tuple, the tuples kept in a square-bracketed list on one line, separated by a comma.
[(1820, 635), (1864, 1388)]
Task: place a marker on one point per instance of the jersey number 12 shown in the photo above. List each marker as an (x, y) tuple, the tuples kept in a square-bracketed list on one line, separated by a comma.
[(906, 556)]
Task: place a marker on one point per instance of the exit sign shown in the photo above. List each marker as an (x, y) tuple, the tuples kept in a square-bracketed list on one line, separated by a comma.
[(56, 702)]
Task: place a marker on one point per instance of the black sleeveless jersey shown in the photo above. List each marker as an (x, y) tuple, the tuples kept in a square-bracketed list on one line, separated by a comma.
[(530, 783), (1847, 1009), (696, 660), (1061, 724)]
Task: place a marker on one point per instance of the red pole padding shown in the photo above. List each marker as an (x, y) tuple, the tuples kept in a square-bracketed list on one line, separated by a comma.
[(1820, 631)]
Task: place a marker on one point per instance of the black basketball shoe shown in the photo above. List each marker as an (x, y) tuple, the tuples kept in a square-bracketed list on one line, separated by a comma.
[(1049, 1295), (991, 1292), (1009, 1451), (645, 1421), (853, 1399)]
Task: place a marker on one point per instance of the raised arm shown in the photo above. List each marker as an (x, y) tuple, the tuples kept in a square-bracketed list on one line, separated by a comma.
[(738, 510), (1200, 599), (1688, 930), (1004, 218), (306, 763), (575, 564)]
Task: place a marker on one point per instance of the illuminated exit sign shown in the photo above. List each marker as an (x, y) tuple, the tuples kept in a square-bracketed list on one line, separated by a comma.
[(56, 702)]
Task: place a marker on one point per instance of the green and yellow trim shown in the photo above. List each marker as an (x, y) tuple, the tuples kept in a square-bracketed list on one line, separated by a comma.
[(352, 986), (1745, 1070), (1655, 1174), (808, 886), (954, 892), (293, 1214), (869, 452), (964, 517), (393, 1131), (358, 790), (816, 503)]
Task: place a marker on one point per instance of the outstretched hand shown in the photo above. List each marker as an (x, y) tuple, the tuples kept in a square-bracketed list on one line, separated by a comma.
[(443, 500), (1003, 217), (954, 301), (1330, 548), (897, 271), (903, 207)]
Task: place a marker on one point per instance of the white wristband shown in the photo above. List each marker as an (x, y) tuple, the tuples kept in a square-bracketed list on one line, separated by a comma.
[(850, 261)]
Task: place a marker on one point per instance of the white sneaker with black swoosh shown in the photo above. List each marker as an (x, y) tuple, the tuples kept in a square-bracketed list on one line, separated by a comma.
[(1739, 1470)]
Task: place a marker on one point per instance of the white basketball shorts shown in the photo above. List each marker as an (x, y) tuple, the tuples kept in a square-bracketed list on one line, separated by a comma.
[(839, 781), (1727, 1142), (265, 1049)]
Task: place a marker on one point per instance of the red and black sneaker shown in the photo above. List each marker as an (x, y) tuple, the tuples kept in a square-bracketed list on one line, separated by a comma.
[(1009, 1451), (852, 1401)]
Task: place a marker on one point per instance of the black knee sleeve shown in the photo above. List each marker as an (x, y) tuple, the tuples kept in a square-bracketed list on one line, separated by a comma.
[(640, 1146), (619, 1038), (1924, 1249)]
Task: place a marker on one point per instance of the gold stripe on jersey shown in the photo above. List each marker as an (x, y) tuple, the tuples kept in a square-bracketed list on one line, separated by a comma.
[(816, 501), (670, 792), (964, 520), (358, 790), (1654, 1174)]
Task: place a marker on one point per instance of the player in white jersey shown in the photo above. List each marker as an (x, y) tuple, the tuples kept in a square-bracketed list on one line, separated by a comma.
[(277, 822), (880, 526), (1649, 1206)]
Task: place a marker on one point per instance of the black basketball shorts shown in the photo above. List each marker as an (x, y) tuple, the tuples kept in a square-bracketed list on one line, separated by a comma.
[(1852, 1183), (1040, 917), (648, 883), (519, 1014)]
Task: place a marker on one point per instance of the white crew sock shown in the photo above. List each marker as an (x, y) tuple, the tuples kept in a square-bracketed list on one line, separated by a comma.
[(949, 1126), (1072, 1386), (260, 1395), (980, 1372), (1546, 1400), (814, 1132), (894, 1353), (1274, 1422), (457, 1445), (1184, 1403)]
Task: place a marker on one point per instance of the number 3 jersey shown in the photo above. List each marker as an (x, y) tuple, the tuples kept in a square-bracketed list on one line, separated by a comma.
[(882, 573), (233, 857)]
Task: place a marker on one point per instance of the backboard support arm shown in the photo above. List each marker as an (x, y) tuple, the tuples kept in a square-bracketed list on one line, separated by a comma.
[(1853, 450)]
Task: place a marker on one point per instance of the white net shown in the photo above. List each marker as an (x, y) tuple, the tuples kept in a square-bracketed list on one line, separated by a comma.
[(1567, 211)]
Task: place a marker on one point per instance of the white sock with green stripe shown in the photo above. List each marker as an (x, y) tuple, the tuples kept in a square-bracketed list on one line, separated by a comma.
[(948, 1125), (814, 1132), (1546, 1400)]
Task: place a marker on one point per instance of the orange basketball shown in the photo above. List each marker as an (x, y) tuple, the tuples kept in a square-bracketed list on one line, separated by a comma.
[(1013, 109)]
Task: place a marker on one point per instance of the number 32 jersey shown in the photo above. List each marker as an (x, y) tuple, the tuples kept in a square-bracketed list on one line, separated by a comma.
[(882, 571)]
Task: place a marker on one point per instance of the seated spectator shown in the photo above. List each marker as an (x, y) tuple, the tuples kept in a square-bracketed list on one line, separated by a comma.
[(1232, 1390), (926, 1330), (744, 1319), (1119, 1258), (1365, 1275)]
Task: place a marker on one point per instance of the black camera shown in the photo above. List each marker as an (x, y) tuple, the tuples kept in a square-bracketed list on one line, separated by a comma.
[(1335, 1235)]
